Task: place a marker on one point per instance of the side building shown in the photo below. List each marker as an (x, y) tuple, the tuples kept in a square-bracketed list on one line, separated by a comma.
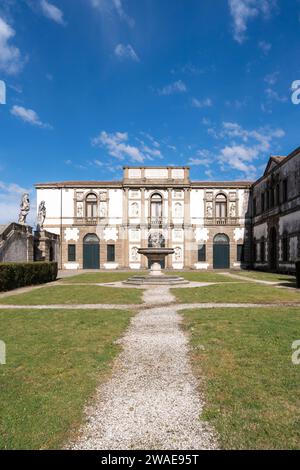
[(102, 224), (276, 214)]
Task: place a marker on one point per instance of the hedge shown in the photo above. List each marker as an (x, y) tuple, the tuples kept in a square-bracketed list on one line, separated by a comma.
[(13, 275)]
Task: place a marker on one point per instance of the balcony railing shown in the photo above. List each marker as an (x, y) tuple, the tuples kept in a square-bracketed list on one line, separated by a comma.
[(86, 220), (221, 221), (157, 221)]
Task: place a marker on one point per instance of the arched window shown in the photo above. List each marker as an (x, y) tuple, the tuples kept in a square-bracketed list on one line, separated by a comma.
[(221, 206), (91, 206), (221, 239), (156, 206)]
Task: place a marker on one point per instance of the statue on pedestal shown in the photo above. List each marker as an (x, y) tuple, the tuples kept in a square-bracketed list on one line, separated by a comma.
[(24, 208), (41, 216)]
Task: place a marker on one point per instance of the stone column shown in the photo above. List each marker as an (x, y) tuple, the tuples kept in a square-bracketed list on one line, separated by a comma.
[(187, 227), (169, 244), (144, 241), (125, 257)]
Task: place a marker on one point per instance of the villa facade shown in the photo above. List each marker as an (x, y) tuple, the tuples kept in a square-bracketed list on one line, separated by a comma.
[(210, 225)]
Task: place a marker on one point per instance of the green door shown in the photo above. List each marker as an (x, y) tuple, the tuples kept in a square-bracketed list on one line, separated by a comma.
[(91, 252), (221, 252)]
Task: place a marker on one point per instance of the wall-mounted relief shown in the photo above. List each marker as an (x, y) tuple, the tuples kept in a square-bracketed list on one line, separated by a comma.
[(232, 209), (79, 211), (209, 209), (201, 234), (134, 209), (178, 194), (178, 234), (110, 233), (209, 195), (178, 212), (178, 253), (134, 194), (103, 196), (135, 235), (239, 234), (232, 196), (79, 195), (103, 209), (134, 256), (71, 234)]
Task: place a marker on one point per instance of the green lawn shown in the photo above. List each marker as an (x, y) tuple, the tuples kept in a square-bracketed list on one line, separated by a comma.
[(263, 276), (236, 293), (61, 294), (251, 387), (203, 276), (54, 361), (101, 276)]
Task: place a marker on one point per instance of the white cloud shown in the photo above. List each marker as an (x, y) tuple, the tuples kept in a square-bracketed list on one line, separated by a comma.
[(175, 87), (52, 12), (108, 7), (265, 47), (205, 103), (243, 148), (126, 52), (10, 56), (117, 145), (29, 116), (242, 11), (273, 95)]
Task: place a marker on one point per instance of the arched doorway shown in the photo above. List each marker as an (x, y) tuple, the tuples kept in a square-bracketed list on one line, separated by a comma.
[(221, 251), (273, 249), (91, 252)]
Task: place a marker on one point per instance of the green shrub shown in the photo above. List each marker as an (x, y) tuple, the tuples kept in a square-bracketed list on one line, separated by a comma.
[(13, 275)]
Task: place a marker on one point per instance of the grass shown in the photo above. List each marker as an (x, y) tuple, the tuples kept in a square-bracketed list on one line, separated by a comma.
[(203, 276), (101, 276), (264, 276), (54, 361), (236, 293), (61, 294), (250, 385)]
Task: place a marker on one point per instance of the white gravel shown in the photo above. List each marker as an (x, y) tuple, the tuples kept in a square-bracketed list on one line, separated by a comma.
[(151, 401)]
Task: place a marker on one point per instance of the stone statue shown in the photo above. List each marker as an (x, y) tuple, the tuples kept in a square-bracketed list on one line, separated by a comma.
[(41, 215), (134, 253), (209, 210), (156, 240), (134, 209), (79, 209), (103, 210), (177, 253), (232, 210), (24, 208), (178, 209)]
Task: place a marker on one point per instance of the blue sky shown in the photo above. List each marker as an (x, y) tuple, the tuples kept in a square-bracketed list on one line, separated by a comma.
[(92, 85)]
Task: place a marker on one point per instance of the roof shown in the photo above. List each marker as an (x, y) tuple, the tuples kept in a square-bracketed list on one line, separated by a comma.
[(120, 184), (3, 227)]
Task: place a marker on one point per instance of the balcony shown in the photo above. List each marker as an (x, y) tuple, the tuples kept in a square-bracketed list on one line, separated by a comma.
[(221, 221), (157, 221), (86, 220)]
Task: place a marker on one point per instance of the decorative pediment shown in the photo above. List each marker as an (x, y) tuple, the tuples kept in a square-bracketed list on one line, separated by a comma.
[(273, 163)]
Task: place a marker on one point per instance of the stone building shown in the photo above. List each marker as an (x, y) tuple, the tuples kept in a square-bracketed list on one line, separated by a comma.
[(102, 224), (276, 214), (210, 225)]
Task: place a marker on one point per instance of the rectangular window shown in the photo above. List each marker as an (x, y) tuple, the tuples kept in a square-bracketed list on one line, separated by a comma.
[(202, 252), (110, 253), (240, 253), (262, 251), (284, 190), (285, 249), (71, 252), (263, 202), (254, 207)]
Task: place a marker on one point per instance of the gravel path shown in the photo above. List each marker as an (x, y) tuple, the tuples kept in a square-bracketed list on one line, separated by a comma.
[(151, 400)]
